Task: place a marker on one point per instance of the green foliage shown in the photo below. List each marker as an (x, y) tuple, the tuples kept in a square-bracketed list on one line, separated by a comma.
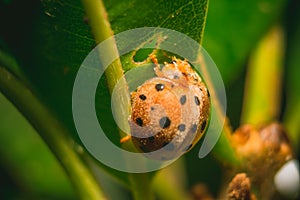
[(27, 160)]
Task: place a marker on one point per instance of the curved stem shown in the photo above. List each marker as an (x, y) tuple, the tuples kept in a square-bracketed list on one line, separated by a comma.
[(53, 133), (223, 149), (98, 20)]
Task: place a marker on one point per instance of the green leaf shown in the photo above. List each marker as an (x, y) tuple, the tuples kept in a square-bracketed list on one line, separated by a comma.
[(56, 38), (233, 28), (184, 16)]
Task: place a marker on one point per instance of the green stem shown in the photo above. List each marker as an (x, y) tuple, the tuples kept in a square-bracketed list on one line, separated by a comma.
[(53, 133), (264, 77), (141, 186), (223, 149), (98, 20), (171, 182)]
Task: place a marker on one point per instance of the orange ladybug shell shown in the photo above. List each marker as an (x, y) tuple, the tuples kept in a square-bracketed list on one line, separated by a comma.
[(169, 112)]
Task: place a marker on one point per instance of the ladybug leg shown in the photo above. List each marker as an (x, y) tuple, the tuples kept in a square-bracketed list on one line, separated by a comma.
[(153, 58), (157, 67), (125, 139)]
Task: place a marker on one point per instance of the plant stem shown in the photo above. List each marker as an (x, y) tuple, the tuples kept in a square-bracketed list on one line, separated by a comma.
[(170, 179), (223, 149), (263, 83), (100, 26), (141, 186), (98, 20), (53, 133)]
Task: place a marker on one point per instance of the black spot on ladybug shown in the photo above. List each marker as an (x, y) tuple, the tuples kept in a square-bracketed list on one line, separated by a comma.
[(197, 102), (188, 147), (164, 122), (139, 121), (159, 87), (143, 97), (181, 127), (182, 99), (203, 126), (193, 128)]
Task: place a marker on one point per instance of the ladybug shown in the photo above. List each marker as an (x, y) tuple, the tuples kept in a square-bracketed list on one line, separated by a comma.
[(170, 112)]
